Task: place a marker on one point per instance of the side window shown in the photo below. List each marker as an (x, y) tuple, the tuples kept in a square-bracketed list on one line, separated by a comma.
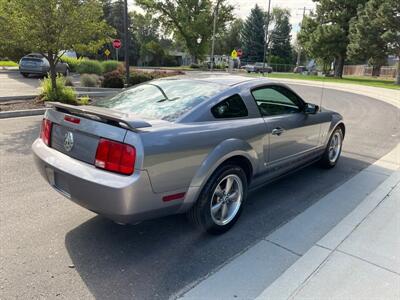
[(276, 100), (232, 107)]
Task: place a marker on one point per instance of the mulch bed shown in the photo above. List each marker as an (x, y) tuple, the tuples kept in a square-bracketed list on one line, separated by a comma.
[(21, 104)]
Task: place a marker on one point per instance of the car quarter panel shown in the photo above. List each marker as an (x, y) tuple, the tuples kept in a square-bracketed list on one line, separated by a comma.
[(174, 156)]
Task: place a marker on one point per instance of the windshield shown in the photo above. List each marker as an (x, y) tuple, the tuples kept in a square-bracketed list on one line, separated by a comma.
[(162, 99)]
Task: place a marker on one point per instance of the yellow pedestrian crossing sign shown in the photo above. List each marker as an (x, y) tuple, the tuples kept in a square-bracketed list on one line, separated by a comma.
[(234, 54), (107, 52)]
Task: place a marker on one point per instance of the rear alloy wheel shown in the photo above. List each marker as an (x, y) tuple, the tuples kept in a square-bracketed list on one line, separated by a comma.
[(333, 149), (221, 200)]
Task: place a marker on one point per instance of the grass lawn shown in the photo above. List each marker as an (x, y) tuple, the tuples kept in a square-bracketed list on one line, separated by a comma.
[(8, 63), (361, 80)]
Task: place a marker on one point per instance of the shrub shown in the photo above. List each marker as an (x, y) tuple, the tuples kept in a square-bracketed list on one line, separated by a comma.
[(113, 79), (89, 80), (195, 66), (68, 81), (139, 77), (110, 65), (8, 63), (90, 67), (62, 93), (84, 100), (73, 63)]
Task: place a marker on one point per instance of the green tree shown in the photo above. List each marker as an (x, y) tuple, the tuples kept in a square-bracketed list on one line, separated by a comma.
[(375, 33), (153, 52), (389, 16), (113, 15), (331, 26), (321, 41), (252, 35), (189, 20), (280, 46), (228, 40), (366, 37), (51, 26)]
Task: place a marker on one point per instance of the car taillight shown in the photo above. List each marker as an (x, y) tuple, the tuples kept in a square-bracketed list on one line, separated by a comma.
[(116, 157), (45, 131)]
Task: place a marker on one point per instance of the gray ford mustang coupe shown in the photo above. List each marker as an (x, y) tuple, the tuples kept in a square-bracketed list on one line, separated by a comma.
[(183, 145)]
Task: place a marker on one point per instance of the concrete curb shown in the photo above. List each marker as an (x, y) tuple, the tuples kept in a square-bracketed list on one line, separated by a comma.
[(10, 98), (22, 113)]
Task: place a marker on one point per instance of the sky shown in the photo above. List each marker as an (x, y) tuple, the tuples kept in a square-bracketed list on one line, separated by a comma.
[(243, 7)]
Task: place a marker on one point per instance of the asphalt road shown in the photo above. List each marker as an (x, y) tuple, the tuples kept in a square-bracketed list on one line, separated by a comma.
[(52, 248)]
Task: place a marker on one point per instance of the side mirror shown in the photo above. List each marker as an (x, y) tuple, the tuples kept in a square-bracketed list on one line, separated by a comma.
[(311, 109)]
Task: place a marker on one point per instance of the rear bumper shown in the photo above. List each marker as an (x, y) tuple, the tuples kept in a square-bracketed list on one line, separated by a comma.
[(125, 199), (38, 70)]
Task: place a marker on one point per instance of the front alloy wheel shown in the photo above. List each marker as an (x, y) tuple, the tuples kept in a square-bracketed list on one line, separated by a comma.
[(333, 149)]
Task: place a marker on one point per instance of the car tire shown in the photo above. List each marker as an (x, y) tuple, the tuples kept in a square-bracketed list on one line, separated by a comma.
[(215, 211), (333, 149), (25, 75), (249, 72)]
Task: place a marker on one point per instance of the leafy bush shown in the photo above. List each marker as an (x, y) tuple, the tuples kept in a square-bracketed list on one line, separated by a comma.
[(84, 100), (68, 81), (87, 66), (139, 77), (113, 79), (195, 66), (89, 80), (110, 65), (8, 63), (62, 93), (73, 63), (170, 61)]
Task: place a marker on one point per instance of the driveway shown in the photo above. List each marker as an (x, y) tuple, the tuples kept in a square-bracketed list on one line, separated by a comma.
[(51, 247), (12, 84)]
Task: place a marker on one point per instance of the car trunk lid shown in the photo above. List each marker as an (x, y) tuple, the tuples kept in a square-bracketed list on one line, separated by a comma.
[(76, 131)]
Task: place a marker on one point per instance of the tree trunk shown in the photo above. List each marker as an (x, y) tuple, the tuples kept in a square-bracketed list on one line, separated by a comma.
[(376, 70), (398, 72), (339, 67), (53, 74)]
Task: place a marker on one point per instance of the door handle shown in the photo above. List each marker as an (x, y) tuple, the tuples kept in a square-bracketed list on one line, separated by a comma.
[(278, 131)]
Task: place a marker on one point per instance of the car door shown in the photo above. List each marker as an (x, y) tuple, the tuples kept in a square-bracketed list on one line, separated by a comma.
[(292, 134)]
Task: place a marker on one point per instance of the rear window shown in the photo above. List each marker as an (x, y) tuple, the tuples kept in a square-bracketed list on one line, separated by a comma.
[(162, 99)]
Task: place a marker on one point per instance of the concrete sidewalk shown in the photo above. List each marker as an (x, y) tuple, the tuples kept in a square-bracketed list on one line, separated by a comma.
[(358, 259), (345, 246)]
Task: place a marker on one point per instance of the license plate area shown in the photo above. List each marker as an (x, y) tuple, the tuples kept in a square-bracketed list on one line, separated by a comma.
[(58, 182)]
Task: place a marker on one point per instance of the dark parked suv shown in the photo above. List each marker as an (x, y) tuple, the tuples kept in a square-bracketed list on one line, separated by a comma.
[(35, 63)]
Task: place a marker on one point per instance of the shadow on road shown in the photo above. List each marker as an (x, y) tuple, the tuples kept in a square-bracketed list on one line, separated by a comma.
[(157, 258)]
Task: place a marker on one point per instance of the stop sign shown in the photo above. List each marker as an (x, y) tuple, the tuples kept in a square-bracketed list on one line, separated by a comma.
[(117, 43)]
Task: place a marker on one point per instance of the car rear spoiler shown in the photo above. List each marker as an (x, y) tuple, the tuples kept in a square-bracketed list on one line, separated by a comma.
[(100, 113)]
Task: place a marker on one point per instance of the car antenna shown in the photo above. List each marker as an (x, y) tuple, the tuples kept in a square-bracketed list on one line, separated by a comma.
[(322, 93)]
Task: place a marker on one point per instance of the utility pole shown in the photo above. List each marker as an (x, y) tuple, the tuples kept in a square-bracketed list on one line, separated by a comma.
[(300, 48), (126, 38), (266, 26), (213, 34)]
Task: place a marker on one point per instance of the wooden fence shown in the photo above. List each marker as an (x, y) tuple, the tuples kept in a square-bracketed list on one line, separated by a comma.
[(364, 70)]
